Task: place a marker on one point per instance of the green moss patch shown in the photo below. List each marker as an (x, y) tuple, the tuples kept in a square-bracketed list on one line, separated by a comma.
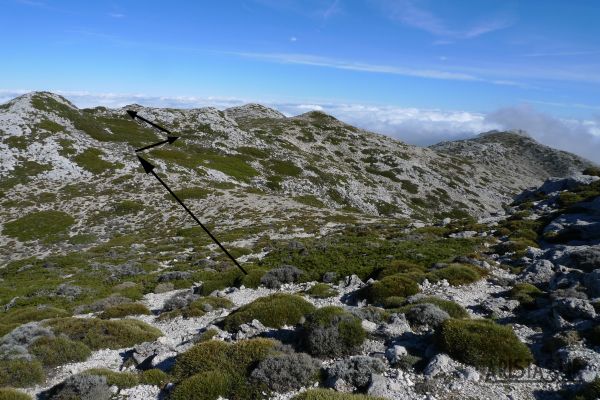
[(274, 311), (101, 334), (483, 343), (44, 225)]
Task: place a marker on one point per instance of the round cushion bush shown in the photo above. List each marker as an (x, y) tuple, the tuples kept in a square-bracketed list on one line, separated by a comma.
[(483, 343), (332, 332), (325, 394), (80, 387), (54, 351), (274, 311), (285, 372), (456, 274), (20, 373), (208, 385), (399, 285)]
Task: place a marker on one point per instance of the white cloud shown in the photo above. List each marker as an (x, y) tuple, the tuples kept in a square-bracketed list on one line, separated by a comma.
[(293, 39), (318, 61), (410, 14)]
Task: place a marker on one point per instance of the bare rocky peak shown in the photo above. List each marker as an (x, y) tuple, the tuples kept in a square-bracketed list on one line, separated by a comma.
[(514, 151), (252, 111)]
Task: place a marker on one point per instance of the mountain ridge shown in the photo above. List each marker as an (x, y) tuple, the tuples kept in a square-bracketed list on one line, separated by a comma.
[(248, 158)]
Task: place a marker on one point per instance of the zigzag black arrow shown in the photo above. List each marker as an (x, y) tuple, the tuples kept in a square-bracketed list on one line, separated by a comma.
[(170, 140), (149, 168), (134, 115)]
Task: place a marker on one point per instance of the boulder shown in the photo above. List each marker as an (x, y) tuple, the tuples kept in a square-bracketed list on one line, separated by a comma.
[(591, 282), (396, 326), (573, 308), (395, 353), (440, 364), (539, 273)]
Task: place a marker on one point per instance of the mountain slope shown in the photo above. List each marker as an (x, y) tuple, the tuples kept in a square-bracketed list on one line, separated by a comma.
[(515, 151), (240, 167)]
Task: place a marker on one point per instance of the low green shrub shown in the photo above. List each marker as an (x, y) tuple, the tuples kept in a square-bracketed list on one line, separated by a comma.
[(399, 285), (154, 377), (525, 294), (13, 394), (58, 350), (483, 343), (332, 332), (456, 274), (121, 380), (252, 280), (198, 308), (274, 311), (123, 310), (22, 315), (215, 355), (101, 334), (21, 373), (214, 368), (321, 291), (90, 159), (327, 394), (517, 246), (453, 309), (399, 266), (208, 385), (593, 171)]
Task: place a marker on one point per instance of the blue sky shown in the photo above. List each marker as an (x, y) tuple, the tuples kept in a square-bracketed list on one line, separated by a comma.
[(419, 70)]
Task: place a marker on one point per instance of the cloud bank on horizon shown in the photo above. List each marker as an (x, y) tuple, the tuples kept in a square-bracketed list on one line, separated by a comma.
[(421, 127)]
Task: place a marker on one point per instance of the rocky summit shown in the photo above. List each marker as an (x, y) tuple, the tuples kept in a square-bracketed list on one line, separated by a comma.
[(375, 269)]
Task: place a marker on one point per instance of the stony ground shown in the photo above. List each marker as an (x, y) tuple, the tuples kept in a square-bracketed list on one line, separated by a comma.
[(397, 303)]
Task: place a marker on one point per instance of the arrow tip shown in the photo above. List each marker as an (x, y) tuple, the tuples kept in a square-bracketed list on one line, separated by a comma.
[(132, 113), (147, 166), (171, 139)]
